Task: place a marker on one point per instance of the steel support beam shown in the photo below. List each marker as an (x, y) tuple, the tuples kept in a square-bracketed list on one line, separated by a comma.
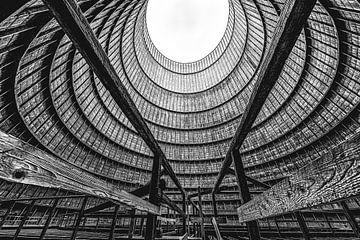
[(252, 226), (113, 222), (7, 213), (142, 191), (257, 183), (202, 226), (24, 218), (99, 207), (153, 198), (216, 228), (73, 22), (194, 206), (293, 16), (328, 223), (49, 218), (277, 226), (78, 220), (165, 199), (209, 191), (250, 179), (351, 219), (184, 217), (132, 224), (141, 226), (303, 227), (213, 196)]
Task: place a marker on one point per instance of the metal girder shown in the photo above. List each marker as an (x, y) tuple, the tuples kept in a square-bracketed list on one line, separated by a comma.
[(202, 226), (203, 192), (303, 227), (209, 191), (49, 218), (252, 226), (194, 205), (250, 179), (216, 228), (132, 224), (351, 219), (73, 22), (153, 198), (257, 183), (293, 16), (184, 218), (99, 207), (78, 220), (142, 191), (24, 218), (213, 197), (165, 199), (113, 222), (7, 213)]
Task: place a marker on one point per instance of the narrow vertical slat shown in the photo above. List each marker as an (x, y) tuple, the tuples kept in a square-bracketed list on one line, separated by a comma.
[(303, 227), (25, 217), (132, 224), (252, 226), (153, 198), (202, 227), (78, 220), (48, 220), (113, 223)]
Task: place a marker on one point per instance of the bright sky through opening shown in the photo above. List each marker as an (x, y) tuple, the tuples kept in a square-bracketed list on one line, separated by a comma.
[(187, 30)]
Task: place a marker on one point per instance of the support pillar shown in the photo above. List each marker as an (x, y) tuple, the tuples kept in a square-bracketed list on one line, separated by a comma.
[(277, 227), (184, 220), (202, 228), (8, 211), (214, 204), (329, 224), (350, 218), (78, 220), (132, 223), (193, 218), (113, 223), (153, 198), (24, 218), (252, 226), (141, 226), (304, 229), (48, 220)]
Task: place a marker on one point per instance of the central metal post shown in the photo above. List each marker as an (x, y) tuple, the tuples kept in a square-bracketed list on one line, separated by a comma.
[(214, 204), (153, 198), (184, 217), (252, 226), (202, 227)]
